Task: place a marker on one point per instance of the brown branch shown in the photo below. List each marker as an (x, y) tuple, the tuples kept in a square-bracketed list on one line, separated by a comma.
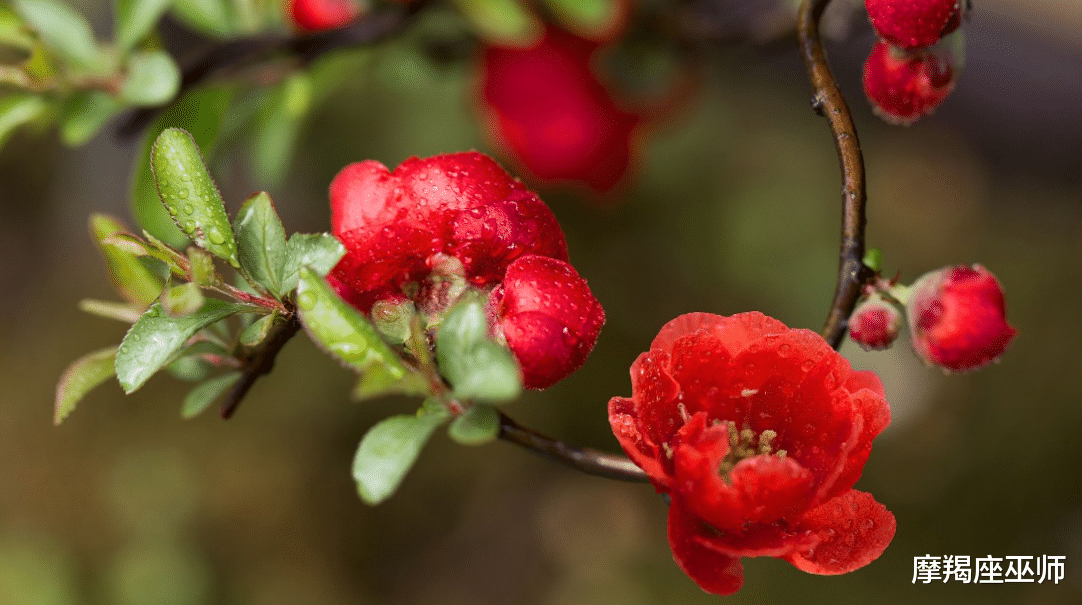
[(587, 460), (260, 361), (829, 102)]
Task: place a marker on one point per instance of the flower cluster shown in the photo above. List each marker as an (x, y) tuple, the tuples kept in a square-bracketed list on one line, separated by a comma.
[(757, 432), (915, 65), (435, 225)]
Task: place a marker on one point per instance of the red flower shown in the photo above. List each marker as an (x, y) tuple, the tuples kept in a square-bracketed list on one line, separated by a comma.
[(875, 324), (553, 112), (904, 87), (958, 319), (914, 23), (548, 316), (462, 214), (757, 432), (319, 15)]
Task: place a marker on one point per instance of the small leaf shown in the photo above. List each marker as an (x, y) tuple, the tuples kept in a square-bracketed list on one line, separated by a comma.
[(343, 332), (84, 114), (62, 29), (156, 338), (201, 267), (80, 378), (135, 19), (191, 368), (153, 79), (261, 241), (182, 300), (476, 367), (378, 383), (176, 261), (387, 453), (505, 22), (130, 276), (203, 395), (317, 251), (16, 41), (189, 194), (478, 425), (18, 109), (257, 331), (112, 310), (214, 17)]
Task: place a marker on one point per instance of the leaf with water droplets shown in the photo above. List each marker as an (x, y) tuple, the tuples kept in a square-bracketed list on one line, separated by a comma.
[(190, 195), (388, 451), (79, 379), (342, 331), (154, 340), (318, 251), (261, 241), (203, 395), (476, 426), (475, 366)]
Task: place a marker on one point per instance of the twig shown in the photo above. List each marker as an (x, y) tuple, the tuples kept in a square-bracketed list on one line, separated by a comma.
[(829, 102), (260, 362), (587, 460)]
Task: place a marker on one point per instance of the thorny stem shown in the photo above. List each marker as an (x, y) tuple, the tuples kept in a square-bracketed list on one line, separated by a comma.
[(829, 102), (260, 361), (587, 460)]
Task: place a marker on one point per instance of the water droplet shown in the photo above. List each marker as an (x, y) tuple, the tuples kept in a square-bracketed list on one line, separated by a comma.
[(570, 339), (136, 337), (185, 178), (188, 209), (784, 349), (807, 365), (123, 349), (867, 524), (306, 301), (163, 183), (183, 193), (216, 237), (189, 226)]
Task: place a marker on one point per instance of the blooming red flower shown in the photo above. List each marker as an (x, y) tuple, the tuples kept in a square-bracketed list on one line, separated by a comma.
[(958, 318), (319, 15), (461, 213), (757, 432), (913, 24), (904, 87), (875, 324), (554, 114)]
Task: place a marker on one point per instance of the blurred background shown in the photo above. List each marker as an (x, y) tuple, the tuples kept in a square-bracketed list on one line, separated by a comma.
[(731, 205)]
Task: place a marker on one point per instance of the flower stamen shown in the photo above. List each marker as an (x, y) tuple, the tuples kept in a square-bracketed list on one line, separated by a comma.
[(744, 444)]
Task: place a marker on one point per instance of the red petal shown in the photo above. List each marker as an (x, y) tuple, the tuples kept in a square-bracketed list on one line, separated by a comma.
[(362, 197), (646, 454), (875, 415), (854, 529), (714, 572), (689, 323), (655, 395)]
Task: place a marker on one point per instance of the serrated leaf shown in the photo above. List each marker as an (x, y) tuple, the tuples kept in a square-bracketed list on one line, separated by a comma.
[(203, 395), (135, 19), (84, 114), (387, 453), (153, 78), (343, 332), (135, 282), (182, 300), (257, 331), (112, 310), (199, 112), (62, 29), (476, 367), (261, 241), (476, 426), (201, 267), (157, 337), (214, 17), (190, 195), (79, 379), (18, 109), (318, 251)]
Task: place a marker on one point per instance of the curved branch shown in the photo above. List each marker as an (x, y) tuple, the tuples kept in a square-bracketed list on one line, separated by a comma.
[(260, 362), (587, 460), (829, 102)]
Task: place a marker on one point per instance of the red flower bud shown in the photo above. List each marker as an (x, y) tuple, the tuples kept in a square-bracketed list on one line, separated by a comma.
[(548, 316), (554, 114), (319, 15), (757, 432), (913, 24), (874, 324), (904, 87), (957, 317)]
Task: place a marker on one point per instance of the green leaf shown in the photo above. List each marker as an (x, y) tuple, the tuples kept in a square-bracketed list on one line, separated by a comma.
[(135, 19), (135, 282), (156, 337), (318, 251), (201, 267), (204, 394), (199, 112), (189, 194), (182, 300), (257, 331), (18, 109), (476, 367), (80, 378), (112, 310), (261, 241), (277, 126), (190, 365), (505, 22), (478, 425), (84, 114), (16, 41), (387, 453), (594, 17), (153, 79), (343, 332), (213, 17), (174, 260), (62, 29)]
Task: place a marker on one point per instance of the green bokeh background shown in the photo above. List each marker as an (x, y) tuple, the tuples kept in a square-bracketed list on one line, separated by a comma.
[(734, 207)]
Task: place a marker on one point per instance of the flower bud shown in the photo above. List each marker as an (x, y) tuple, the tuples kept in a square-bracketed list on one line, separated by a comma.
[(905, 86), (548, 317), (319, 15), (957, 317), (874, 324), (913, 24)]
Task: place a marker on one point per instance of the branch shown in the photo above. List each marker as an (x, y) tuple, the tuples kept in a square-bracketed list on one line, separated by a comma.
[(829, 102), (241, 52), (587, 460), (260, 362)]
